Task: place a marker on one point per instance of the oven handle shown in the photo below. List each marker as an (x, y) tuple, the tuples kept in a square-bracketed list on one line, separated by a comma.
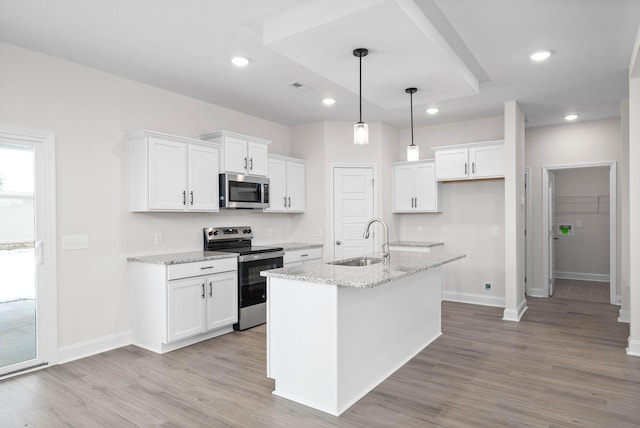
[(261, 256)]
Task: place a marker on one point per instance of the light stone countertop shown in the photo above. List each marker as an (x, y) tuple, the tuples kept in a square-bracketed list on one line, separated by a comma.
[(403, 263), (178, 258), (293, 246), (420, 244)]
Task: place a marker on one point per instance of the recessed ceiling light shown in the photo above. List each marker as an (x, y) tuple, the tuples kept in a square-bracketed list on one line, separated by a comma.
[(240, 61), (540, 55), (433, 110), (329, 101), (571, 117)]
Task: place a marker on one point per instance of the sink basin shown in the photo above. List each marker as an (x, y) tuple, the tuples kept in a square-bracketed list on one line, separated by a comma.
[(357, 261)]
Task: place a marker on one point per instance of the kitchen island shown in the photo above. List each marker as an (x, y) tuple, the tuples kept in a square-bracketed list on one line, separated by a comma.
[(335, 332)]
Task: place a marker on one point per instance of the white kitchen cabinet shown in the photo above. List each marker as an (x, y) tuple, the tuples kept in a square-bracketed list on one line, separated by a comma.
[(470, 161), (302, 256), (287, 181), (176, 305), (240, 154), (415, 189), (172, 173)]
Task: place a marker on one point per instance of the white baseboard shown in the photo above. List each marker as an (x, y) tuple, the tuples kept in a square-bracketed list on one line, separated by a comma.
[(515, 314), (538, 292), (624, 316), (93, 347), (598, 277), (634, 348), (474, 299)]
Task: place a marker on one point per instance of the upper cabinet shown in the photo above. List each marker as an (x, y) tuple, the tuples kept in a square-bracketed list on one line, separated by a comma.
[(172, 173), (287, 178), (470, 161), (415, 189), (240, 154)]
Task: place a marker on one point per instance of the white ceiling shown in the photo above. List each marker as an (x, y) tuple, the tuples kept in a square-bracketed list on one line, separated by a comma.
[(465, 56)]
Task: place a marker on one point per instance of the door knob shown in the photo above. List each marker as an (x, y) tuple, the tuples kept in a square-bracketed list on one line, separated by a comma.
[(338, 242)]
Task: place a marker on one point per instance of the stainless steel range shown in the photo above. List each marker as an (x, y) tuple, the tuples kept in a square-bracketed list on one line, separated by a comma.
[(252, 288)]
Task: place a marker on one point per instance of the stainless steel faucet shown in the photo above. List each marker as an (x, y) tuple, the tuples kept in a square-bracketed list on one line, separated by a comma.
[(386, 258)]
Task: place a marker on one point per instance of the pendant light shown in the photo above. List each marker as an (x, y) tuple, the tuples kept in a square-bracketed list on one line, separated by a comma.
[(413, 151), (360, 129)]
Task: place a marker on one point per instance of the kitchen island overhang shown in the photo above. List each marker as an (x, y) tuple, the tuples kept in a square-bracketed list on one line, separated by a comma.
[(335, 332)]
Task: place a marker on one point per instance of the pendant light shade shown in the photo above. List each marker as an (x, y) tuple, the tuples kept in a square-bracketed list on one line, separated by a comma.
[(413, 151), (360, 129)]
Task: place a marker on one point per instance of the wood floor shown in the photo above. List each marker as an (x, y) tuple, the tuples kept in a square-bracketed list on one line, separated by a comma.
[(587, 291), (563, 365)]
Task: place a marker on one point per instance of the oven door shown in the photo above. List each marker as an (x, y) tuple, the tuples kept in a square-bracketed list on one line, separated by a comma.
[(252, 288)]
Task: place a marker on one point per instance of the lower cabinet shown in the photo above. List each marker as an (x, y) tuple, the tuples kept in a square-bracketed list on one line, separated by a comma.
[(176, 305), (299, 257)]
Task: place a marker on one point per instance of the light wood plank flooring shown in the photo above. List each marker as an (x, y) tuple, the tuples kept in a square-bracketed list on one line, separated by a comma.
[(563, 365), (587, 291)]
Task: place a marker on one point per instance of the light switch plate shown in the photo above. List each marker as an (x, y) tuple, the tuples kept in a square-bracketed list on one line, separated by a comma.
[(157, 238), (496, 231), (75, 242)]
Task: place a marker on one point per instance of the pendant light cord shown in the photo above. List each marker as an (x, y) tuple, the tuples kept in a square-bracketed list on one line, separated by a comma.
[(360, 89), (411, 97)]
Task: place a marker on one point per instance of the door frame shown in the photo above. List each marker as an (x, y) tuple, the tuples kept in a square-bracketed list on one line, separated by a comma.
[(47, 296), (614, 297), (331, 216), (528, 247)]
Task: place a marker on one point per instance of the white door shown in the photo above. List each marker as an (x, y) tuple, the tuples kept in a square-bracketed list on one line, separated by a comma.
[(256, 158), (403, 188), (222, 300), (296, 183), (353, 207), (277, 185), (452, 164), (552, 237), (186, 302), (235, 155), (425, 187), (487, 161), (167, 175), (203, 178), (27, 251)]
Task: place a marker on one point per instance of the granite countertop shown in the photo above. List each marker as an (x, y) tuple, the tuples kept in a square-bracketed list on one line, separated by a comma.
[(403, 263), (422, 244), (292, 246), (178, 258)]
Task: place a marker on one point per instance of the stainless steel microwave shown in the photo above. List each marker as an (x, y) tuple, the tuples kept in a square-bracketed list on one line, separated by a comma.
[(243, 191)]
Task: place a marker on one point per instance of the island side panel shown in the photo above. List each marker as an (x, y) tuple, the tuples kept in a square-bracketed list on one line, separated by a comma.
[(382, 328), (302, 342)]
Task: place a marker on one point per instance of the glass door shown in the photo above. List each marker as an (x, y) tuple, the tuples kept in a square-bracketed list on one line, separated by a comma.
[(20, 254)]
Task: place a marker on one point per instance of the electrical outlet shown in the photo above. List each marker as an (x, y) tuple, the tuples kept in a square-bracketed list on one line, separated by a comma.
[(578, 223), (157, 238), (317, 232), (419, 229), (487, 286), (496, 231)]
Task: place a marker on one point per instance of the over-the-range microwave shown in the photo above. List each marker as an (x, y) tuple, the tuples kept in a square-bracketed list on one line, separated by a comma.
[(243, 191)]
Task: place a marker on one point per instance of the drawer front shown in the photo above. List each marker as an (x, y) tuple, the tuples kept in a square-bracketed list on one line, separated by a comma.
[(207, 267), (302, 255)]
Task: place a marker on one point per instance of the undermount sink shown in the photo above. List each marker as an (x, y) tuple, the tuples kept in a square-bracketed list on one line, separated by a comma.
[(357, 261)]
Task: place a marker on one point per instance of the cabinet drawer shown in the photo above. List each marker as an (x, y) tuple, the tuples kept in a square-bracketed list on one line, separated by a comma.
[(207, 267), (302, 255)]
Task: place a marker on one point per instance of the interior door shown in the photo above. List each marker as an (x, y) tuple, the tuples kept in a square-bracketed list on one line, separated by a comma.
[(353, 208), (552, 237), (26, 259)]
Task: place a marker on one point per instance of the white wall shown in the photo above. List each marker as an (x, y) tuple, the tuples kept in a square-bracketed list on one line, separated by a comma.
[(585, 254), (90, 111), (569, 144), (470, 211)]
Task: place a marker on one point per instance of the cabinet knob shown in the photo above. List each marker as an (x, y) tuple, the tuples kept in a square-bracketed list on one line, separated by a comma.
[(338, 243)]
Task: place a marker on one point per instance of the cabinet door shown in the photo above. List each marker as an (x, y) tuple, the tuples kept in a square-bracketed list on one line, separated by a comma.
[(425, 186), (256, 158), (222, 300), (235, 155), (186, 308), (203, 178), (296, 179), (452, 164), (487, 161), (277, 186), (167, 175), (403, 188)]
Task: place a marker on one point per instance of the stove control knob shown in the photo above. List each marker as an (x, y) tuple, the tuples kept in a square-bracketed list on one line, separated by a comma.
[(246, 231), (215, 233)]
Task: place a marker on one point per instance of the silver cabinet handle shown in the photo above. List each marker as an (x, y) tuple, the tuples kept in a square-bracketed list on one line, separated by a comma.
[(289, 201), (465, 168), (191, 197), (473, 167), (206, 267), (338, 243), (210, 289), (184, 197), (251, 164), (415, 202), (245, 162), (203, 290), (304, 255), (285, 202)]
